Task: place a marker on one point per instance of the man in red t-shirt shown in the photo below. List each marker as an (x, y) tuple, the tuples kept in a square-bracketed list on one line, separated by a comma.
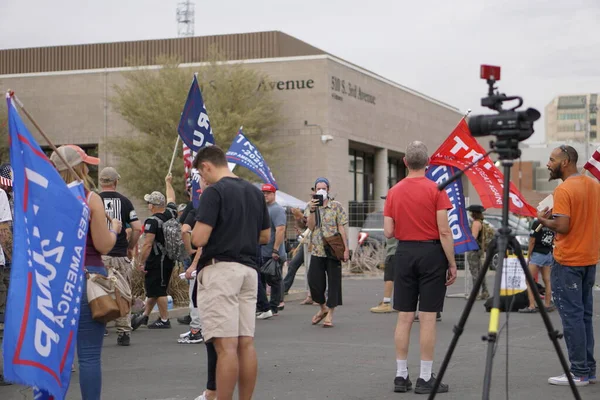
[(416, 213)]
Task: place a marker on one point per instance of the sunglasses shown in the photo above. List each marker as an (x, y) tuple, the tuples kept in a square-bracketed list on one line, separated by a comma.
[(565, 150)]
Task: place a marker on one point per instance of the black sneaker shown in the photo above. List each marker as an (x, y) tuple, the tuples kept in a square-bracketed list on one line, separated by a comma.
[(138, 321), (160, 324), (185, 320), (193, 337), (426, 387), (123, 339), (402, 385), (438, 316)]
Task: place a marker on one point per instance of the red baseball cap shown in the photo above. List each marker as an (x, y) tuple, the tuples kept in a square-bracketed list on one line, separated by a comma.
[(267, 187)]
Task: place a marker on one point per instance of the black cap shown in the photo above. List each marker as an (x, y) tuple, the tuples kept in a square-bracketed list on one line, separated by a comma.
[(384, 197), (476, 208)]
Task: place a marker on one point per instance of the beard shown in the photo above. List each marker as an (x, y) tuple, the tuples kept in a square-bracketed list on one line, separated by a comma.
[(555, 173)]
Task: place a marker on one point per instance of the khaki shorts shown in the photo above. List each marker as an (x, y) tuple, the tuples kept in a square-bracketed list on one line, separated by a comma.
[(226, 300)]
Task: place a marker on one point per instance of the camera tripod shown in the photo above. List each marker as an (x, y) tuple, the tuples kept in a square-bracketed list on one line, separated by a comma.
[(507, 150)]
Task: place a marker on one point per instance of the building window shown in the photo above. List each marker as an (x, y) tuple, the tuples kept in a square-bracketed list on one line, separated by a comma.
[(570, 116), (593, 134), (396, 171), (362, 167)]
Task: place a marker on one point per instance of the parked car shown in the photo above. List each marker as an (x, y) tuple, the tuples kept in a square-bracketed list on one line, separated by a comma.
[(371, 237)]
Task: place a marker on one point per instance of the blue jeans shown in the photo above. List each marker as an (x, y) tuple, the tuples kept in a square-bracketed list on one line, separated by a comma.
[(90, 336), (572, 290), (293, 266)]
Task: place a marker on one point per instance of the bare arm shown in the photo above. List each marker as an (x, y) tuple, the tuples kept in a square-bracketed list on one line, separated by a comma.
[(388, 227), (186, 236), (170, 191), (279, 236), (147, 247), (201, 234), (103, 239), (530, 248), (265, 236), (136, 231), (476, 228), (560, 223), (446, 235)]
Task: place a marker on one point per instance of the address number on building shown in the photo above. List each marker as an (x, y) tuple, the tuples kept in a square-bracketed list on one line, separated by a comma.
[(346, 88)]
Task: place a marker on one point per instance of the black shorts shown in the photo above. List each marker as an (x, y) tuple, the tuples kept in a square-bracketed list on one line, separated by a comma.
[(420, 277), (388, 272), (156, 283)]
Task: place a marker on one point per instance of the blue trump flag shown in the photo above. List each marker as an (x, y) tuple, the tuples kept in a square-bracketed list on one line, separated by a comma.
[(46, 283), (194, 125), (195, 131), (243, 153), (457, 216)]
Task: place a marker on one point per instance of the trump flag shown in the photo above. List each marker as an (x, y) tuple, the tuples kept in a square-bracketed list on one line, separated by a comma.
[(46, 283), (457, 216), (243, 153), (460, 150)]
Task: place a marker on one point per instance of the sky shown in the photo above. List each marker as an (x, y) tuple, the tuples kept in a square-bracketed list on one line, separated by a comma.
[(545, 47)]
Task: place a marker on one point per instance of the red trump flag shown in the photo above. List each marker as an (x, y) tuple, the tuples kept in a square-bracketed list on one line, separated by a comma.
[(460, 150)]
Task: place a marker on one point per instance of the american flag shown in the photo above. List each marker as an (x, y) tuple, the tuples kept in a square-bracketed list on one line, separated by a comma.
[(593, 165), (188, 160), (5, 175)]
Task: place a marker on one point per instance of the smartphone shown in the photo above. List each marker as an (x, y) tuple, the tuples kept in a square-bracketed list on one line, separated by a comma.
[(320, 198)]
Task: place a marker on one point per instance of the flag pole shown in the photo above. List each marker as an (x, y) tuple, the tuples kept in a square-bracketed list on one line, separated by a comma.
[(11, 95), (174, 154)]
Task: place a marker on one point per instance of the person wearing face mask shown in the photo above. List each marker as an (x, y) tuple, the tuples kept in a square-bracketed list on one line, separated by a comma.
[(325, 219)]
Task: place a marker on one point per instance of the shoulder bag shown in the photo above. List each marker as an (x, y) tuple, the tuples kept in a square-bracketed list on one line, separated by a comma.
[(334, 245), (106, 297)]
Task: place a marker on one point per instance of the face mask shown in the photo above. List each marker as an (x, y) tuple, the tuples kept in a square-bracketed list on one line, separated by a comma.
[(323, 193)]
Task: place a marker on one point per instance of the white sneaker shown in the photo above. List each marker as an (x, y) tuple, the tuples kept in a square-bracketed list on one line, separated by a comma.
[(201, 397), (185, 334), (562, 380), (265, 315)]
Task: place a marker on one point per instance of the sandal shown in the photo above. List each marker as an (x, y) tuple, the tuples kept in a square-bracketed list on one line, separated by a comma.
[(327, 324), (307, 301), (319, 317)]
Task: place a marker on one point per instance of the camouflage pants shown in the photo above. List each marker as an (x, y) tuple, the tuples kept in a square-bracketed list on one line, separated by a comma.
[(475, 264), (123, 265)]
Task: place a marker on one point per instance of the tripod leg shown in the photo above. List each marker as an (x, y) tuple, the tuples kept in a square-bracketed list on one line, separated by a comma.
[(459, 328), (552, 333)]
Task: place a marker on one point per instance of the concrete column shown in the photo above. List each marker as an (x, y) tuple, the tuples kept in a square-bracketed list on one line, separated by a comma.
[(381, 176)]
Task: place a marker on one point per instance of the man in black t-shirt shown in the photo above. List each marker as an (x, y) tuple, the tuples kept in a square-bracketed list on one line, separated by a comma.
[(540, 257), (153, 259), (119, 259), (231, 221)]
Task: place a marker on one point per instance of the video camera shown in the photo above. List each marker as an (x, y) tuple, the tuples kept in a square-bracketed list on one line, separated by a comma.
[(507, 124)]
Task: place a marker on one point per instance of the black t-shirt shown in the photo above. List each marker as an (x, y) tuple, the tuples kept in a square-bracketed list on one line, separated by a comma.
[(118, 206), (151, 226), (237, 212), (188, 207), (543, 239)]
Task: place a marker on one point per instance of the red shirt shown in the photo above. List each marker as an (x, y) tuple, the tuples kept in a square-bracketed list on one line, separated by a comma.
[(413, 204)]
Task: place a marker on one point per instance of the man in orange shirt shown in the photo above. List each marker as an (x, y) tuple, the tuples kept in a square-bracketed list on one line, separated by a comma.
[(576, 221), (416, 213)]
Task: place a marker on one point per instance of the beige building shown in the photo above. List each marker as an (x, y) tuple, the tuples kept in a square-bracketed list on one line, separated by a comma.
[(572, 118), (341, 121)]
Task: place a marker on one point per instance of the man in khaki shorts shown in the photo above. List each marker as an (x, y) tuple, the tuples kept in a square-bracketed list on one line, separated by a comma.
[(232, 219)]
